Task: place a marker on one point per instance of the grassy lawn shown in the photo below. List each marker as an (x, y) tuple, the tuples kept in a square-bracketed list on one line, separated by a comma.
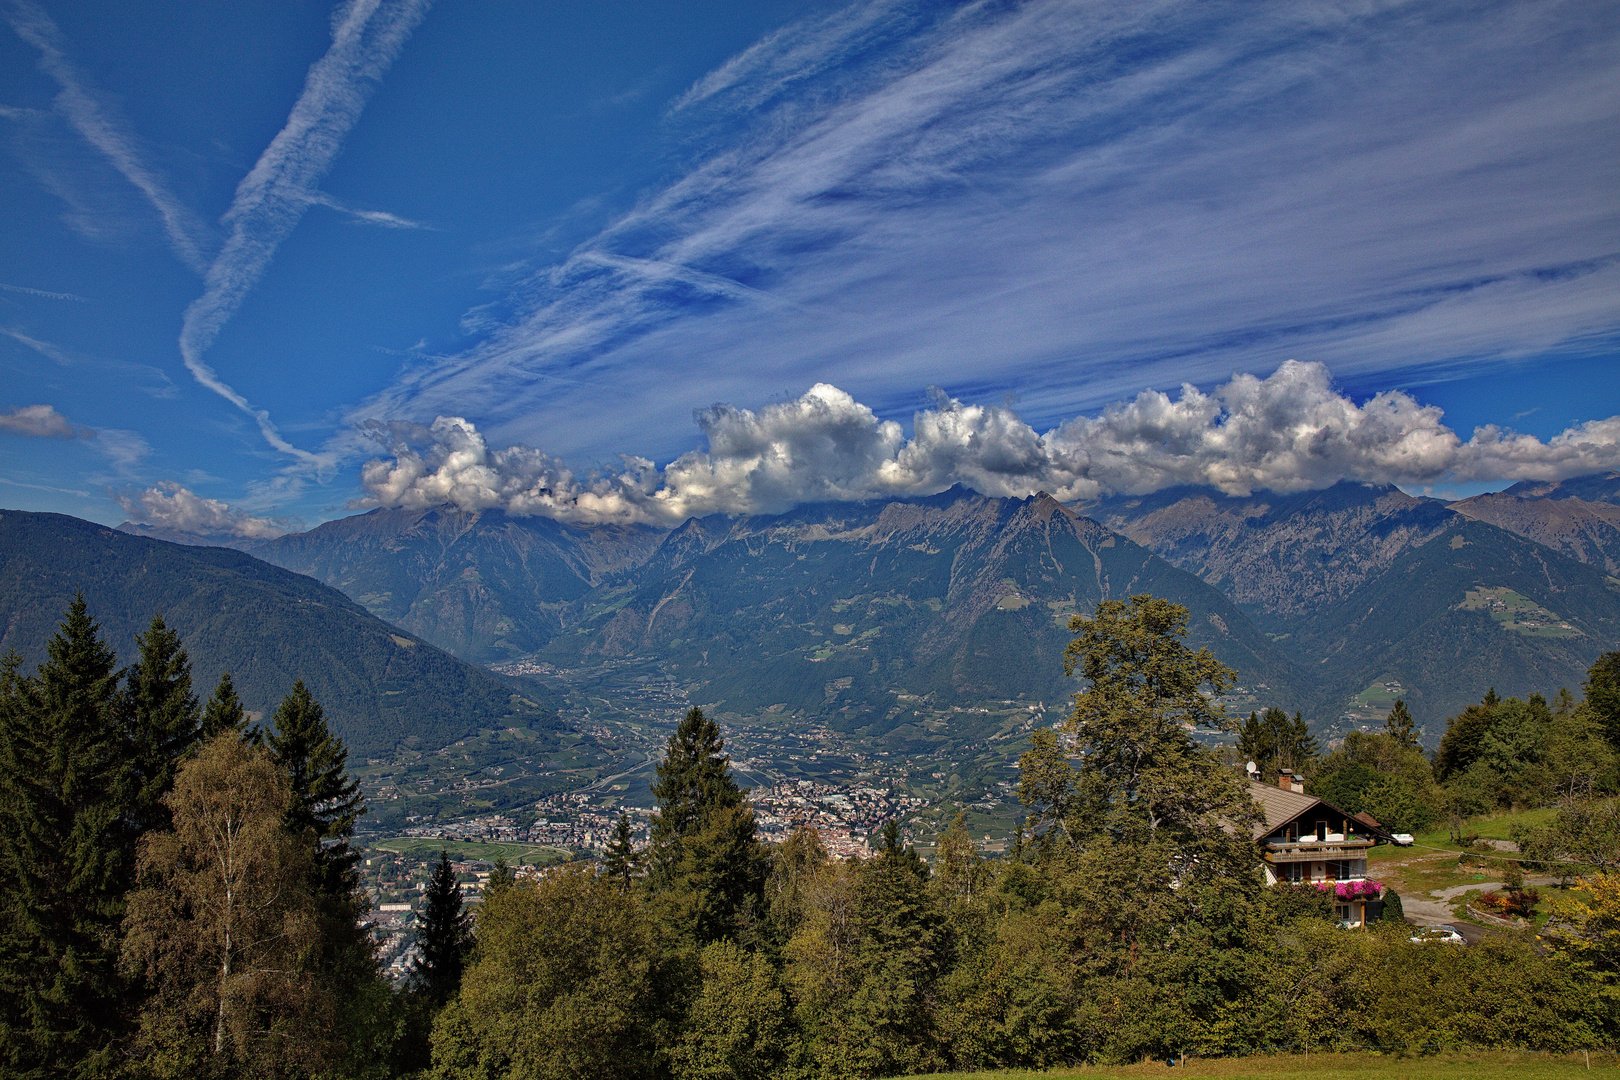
[(516, 854), (1458, 1066)]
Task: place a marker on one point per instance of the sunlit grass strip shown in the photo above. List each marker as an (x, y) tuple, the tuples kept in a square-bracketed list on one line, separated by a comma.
[(1464, 1065)]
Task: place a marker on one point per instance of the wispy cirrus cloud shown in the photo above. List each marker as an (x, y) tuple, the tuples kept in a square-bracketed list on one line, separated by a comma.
[(54, 353), (380, 218), (45, 293), (1077, 200), (366, 37), (79, 105)]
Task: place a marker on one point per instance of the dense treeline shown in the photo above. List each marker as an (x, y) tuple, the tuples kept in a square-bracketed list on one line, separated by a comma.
[(180, 899), (1498, 755), (1128, 920), (178, 894)]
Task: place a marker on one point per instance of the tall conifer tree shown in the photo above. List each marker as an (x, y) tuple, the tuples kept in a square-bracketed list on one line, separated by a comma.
[(223, 712), (704, 858), (67, 794), (445, 935), (162, 719), (1400, 726), (326, 801), (324, 804), (621, 860)]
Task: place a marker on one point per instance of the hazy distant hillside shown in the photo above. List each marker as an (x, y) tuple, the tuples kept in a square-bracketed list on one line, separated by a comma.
[(190, 539), (1286, 555), (480, 584), (265, 625), (854, 611), (1580, 517)]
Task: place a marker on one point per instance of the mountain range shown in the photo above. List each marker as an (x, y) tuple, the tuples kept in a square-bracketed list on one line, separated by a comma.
[(381, 687), (1580, 517), (848, 611), (875, 618)]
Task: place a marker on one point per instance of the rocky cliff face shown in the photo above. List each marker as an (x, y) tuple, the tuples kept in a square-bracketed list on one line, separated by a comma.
[(480, 584), (1580, 518), (1285, 555)]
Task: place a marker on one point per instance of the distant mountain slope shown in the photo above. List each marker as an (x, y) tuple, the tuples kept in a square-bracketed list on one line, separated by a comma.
[(1579, 517), (480, 584), (1476, 606), (1358, 583), (855, 612), (266, 626), (190, 539), (1289, 556)]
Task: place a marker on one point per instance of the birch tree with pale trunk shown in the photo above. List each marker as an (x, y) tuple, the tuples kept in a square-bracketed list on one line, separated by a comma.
[(220, 921)]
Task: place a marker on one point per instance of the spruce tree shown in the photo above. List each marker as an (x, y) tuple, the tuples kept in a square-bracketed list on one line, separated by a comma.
[(621, 860), (899, 959), (705, 859), (67, 796), (326, 801), (223, 712), (1400, 726), (500, 879), (162, 719), (694, 780), (444, 936)]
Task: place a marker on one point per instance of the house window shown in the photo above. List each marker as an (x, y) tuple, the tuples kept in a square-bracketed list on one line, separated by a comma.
[(1293, 872), (1344, 869), (1342, 912)]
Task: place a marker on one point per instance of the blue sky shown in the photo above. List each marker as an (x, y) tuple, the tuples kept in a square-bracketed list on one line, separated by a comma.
[(263, 264)]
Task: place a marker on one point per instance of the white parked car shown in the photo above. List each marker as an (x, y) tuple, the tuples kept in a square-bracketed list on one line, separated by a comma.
[(1405, 839), (1446, 935)]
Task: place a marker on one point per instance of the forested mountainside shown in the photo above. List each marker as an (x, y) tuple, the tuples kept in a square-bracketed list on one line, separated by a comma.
[(1475, 606), (483, 585), (1580, 517), (857, 612), (264, 625)]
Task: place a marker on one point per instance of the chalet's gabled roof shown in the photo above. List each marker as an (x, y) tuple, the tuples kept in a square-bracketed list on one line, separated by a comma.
[(1279, 805), (1282, 806)]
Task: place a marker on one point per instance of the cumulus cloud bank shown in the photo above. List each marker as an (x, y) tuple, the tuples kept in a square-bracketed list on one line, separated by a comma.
[(41, 422), (1291, 431), (171, 506)]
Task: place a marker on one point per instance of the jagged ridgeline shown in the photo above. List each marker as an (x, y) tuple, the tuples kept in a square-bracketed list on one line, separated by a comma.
[(380, 686), (855, 611)]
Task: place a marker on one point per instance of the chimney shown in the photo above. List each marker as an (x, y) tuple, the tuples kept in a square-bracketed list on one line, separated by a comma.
[(1285, 781)]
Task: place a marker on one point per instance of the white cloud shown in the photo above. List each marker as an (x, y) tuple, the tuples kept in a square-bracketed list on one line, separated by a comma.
[(171, 506), (1291, 431), (125, 450), (25, 290), (41, 422), (77, 103), (380, 218), (269, 202)]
